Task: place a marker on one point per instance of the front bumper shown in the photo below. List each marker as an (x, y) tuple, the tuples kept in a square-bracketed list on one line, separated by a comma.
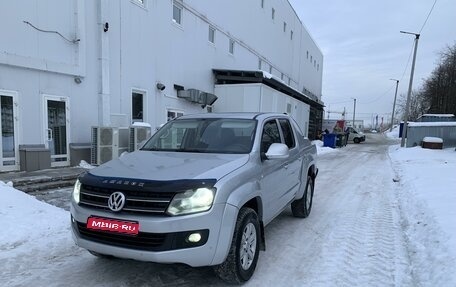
[(161, 239)]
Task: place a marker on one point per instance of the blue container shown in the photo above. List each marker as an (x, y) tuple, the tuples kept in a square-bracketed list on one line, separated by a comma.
[(329, 140)]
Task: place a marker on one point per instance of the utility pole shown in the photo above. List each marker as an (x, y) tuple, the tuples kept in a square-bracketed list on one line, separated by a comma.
[(354, 111), (409, 94), (394, 104)]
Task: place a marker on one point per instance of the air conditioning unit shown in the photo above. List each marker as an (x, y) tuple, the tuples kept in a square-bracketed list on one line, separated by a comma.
[(108, 143), (197, 96), (138, 135)]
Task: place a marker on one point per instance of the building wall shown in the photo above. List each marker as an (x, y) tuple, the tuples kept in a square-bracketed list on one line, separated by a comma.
[(96, 71), (261, 98)]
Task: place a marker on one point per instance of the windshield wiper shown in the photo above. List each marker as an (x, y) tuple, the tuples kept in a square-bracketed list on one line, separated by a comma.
[(190, 150), (152, 149)]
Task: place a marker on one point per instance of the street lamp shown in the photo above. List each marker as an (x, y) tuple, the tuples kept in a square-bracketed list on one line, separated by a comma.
[(407, 105), (354, 109), (394, 104)]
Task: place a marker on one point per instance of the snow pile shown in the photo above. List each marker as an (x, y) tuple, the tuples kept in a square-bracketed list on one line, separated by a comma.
[(321, 149), (85, 165), (394, 134), (33, 235), (426, 186), (432, 140), (24, 220)]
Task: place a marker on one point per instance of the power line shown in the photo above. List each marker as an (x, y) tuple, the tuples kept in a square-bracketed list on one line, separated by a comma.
[(432, 8), (405, 69), (408, 60), (341, 102)]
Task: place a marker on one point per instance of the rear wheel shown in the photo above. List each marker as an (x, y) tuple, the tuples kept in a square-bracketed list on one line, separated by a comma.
[(243, 255), (301, 207)]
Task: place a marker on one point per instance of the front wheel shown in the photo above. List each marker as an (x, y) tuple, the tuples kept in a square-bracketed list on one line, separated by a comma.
[(356, 140), (243, 255), (301, 207)]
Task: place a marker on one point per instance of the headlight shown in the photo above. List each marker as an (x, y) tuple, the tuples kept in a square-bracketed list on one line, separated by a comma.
[(191, 201), (76, 191)]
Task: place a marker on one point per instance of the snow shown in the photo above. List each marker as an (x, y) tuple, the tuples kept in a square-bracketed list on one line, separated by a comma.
[(382, 216), (266, 75), (141, 124), (321, 149), (432, 140), (432, 124), (85, 165), (439, 115)]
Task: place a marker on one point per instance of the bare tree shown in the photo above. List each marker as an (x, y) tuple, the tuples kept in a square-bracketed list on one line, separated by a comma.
[(439, 89), (419, 105)]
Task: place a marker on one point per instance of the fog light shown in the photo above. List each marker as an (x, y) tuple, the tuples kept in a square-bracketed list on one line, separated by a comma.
[(194, 237)]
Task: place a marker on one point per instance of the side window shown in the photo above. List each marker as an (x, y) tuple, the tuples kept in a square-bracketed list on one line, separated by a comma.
[(287, 133), (270, 135), (137, 107)]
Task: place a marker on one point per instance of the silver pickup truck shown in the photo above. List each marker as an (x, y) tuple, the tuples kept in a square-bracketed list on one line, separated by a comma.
[(200, 192)]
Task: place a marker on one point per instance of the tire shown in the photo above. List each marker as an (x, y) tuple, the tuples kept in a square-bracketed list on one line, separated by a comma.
[(356, 140), (240, 263), (302, 207)]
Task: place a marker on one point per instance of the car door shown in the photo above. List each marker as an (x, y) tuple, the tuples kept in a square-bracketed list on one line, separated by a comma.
[(293, 163), (273, 172)]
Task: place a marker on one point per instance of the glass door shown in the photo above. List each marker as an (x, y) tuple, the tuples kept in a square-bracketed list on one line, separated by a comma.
[(56, 130), (9, 158)]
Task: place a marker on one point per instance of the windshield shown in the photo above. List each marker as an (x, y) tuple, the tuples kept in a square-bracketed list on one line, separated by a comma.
[(204, 136)]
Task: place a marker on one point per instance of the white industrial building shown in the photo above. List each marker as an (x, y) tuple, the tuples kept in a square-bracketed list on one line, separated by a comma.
[(67, 66)]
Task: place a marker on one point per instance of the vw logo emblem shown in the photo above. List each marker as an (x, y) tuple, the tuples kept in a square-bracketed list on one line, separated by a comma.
[(116, 201)]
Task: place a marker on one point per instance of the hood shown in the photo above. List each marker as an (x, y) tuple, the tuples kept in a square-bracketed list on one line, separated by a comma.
[(152, 165)]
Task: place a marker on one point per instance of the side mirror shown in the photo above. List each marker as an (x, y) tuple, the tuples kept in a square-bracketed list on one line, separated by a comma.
[(277, 151)]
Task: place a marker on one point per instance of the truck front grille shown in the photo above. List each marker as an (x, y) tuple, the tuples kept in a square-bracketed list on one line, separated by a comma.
[(136, 201), (143, 240)]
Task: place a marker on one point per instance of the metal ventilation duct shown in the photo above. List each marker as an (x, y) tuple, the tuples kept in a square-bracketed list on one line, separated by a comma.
[(197, 96)]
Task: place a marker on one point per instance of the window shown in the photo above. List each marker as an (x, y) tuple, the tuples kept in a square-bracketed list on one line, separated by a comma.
[(270, 135), (231, 48), (171, 115), (177, 12), (137, 107), (211, 34), (259, 64), (307, 55), (273, 13), (287, 133), (285, 27), (262, 3), (291, 35)]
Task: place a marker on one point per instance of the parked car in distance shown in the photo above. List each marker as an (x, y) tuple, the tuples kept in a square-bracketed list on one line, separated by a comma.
[(355, 136), (199, 192)]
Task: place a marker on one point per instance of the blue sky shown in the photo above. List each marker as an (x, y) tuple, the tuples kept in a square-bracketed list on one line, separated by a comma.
[(363, 48)]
